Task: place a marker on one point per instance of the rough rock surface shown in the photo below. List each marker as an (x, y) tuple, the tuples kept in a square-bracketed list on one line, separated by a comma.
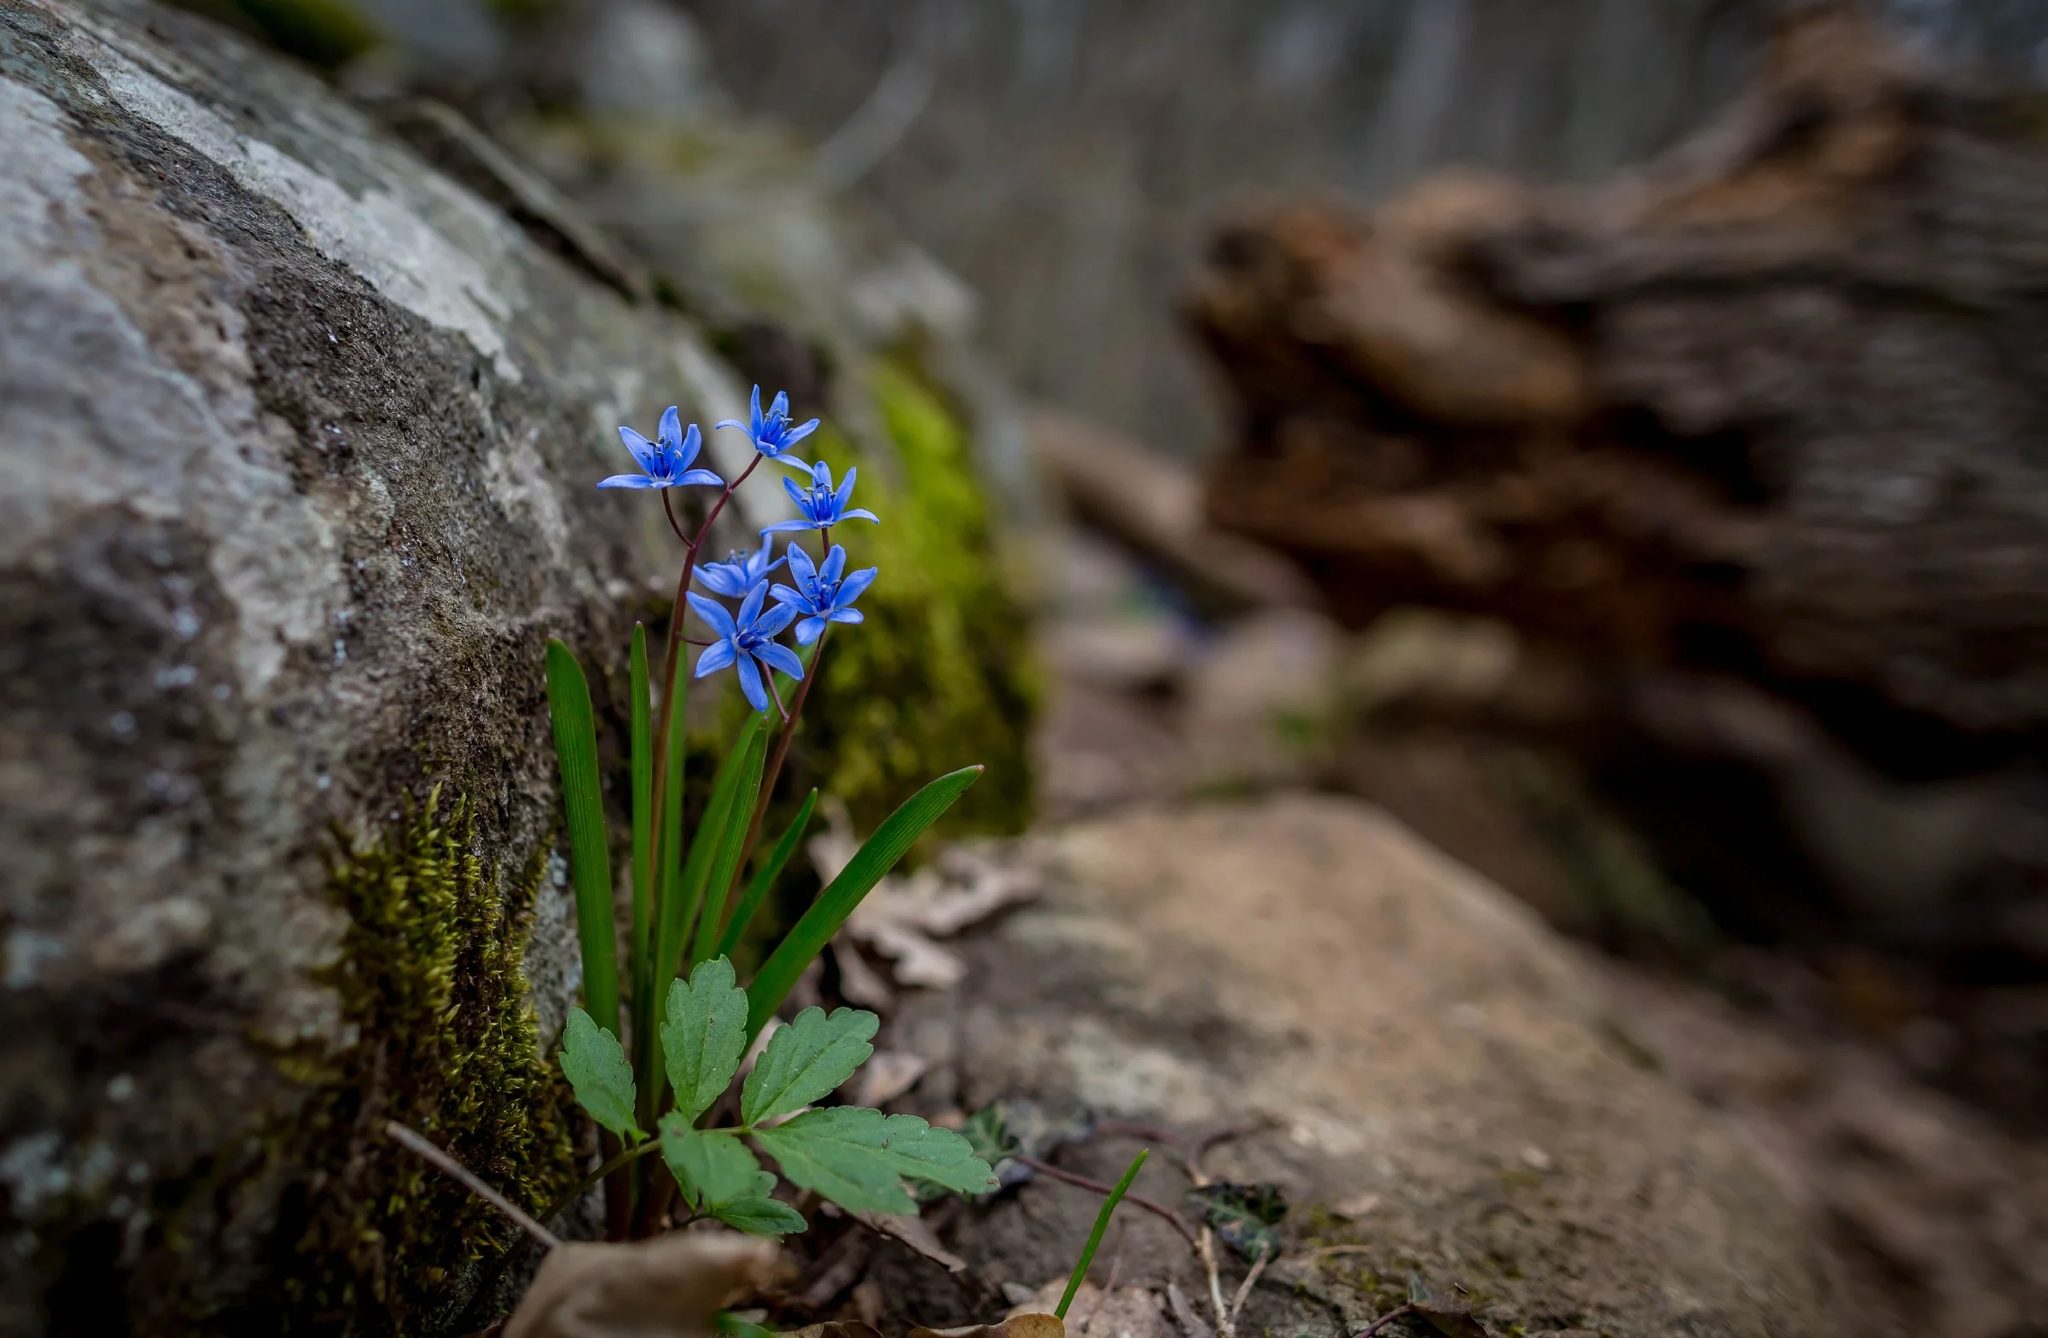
[(1444, 1092), (1766, 406), (296, 443)]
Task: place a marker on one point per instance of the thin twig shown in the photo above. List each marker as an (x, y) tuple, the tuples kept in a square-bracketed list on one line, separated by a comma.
[(1245, 1288), (1207, 1250), (1150, 1205), (1384, 1320), (456, 1171)]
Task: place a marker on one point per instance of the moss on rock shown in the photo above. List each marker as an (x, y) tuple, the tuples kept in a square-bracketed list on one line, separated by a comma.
[(441, 1037), (941, 675)]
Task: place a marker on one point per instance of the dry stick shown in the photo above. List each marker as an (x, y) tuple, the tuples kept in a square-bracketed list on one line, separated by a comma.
[(1245, 1288), (1384, 1320), (1205, 1249), (1160, 1209), (456, 1171)]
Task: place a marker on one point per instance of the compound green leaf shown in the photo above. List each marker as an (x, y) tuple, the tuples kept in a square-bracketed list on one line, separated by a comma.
[(705, 1035), (711, 1166), (595, 1064), (760, 1215), (842, 1153), (805, 1061)]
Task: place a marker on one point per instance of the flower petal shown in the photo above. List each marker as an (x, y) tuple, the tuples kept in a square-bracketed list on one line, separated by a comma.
[(693, 442), (809, 630), (800, 566), (757, 411), (860, 513), (714, 615), (782, 594), (670, 433), (643, 450), (771, 623), (750, 683), (716, 656), (780, 408), (848, 616), (782, 459), (627, 481), (729, 422), (856, 585), (795, 435), (778, 656), (720, 579), (750, 607), (699, 477), (835, 564), (796, 494), (790, 526), (845, 493)]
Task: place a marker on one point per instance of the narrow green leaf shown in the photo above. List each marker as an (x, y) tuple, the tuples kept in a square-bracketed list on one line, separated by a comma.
[(666, 862), (1109, 1204), (764, 877), (589, 859), (680, 915), (595, 1064), (806, 1061), (643, 832), (759, 1215), (839, 1151), (777, 976), (725, 865), (710, 1166), (705, 1036)]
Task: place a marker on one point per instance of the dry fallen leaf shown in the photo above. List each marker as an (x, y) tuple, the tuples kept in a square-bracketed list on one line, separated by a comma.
[(836, 1328), (902, 918), (1125, 1312), (912, 1231), (667, 1287), (1016, 1326)]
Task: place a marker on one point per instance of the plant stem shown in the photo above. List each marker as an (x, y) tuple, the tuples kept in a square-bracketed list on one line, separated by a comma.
[(1384, 1320), (462, 1175), (1150, 1205), (597, 1177), (774, 769)]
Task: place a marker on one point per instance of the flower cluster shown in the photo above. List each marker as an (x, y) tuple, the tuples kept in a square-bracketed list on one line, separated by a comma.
[(823, 592)]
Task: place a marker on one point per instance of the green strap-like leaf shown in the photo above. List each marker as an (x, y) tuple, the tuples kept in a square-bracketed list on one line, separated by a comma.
[(806, 1061), (777, 976), (764, 877), (589, 859), (667, 861), (711, 1166), (643, 831), (705, 1035), (680, 916), (841, 1152), (595, 1064), (725, 865), (760, 1215)]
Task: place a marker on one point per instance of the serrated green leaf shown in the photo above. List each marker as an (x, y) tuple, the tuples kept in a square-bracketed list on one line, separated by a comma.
[(841, 1152), (760, 1215), (711, 1166), (575, 731), (807, 1060), (777, 976), (595, 1064), (705, 1035)]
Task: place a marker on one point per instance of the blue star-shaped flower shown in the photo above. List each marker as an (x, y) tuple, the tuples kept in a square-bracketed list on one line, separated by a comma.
[(740, 572), (821, 594), (818, 506), (665, 461), (773, 433), (745, 639)]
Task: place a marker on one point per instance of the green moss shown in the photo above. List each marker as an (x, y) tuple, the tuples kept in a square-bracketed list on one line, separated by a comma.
[(430, 981), (941, 673)]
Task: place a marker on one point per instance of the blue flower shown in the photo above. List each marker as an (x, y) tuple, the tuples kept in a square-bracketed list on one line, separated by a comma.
[(740, 572), (819, 507), (820, 594), (664, 462), (773, 433), (745, 639)]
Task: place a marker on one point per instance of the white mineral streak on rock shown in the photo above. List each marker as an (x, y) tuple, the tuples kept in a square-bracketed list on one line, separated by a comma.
[(431, 248)]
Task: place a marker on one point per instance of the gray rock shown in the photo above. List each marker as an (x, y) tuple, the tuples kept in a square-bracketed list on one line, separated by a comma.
[(297, 439)]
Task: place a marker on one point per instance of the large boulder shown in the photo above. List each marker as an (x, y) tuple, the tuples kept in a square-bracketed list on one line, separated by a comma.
[(298, 437), (1432, 1077)]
